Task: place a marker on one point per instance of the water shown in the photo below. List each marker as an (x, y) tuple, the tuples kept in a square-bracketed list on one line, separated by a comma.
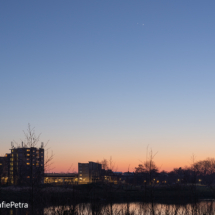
[(201, 208)]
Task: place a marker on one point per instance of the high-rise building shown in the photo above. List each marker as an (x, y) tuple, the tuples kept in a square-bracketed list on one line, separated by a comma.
[(89, 172), (26, 165)]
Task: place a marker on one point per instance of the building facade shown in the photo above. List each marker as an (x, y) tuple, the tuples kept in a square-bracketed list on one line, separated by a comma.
[(4, 168), (26, 165), (89, 172), (60, 178)]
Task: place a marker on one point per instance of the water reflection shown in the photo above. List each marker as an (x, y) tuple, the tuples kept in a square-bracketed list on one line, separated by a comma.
[(201, 208)]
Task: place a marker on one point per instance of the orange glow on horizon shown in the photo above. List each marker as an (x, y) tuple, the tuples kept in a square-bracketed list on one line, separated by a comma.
[(64, 167)]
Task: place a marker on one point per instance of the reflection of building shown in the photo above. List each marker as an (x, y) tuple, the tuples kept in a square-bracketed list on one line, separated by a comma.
[(26, 165), (61, 178), (89, 172)]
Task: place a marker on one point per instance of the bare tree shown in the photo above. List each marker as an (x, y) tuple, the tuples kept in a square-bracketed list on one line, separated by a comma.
[(108, 164), (140, 169), (148, 166), (31, 139), (111, 164), (104, 164), (32, 163), (48, 160)]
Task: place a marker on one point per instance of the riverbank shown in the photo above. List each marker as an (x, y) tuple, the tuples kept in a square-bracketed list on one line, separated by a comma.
[(107, 193)]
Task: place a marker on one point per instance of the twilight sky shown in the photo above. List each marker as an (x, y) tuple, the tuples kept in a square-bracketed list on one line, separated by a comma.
[(108, 78)]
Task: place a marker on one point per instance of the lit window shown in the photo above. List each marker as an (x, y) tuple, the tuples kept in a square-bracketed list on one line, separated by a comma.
[(28, 163), (28, 154), (28, 150), (0, 163), (28, 176)]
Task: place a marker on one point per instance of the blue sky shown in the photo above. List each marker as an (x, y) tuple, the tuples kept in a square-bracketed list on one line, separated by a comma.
[(109, 78)]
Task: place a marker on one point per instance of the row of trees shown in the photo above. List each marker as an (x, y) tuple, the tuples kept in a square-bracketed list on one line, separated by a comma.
[(199, 172), (146, 172)]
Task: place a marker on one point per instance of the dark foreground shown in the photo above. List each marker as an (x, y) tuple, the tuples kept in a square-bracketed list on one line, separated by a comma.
[(99, 196)]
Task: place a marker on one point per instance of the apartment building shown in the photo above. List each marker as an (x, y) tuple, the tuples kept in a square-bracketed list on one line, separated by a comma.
[(26, 165), (4, 168), (89, 172)]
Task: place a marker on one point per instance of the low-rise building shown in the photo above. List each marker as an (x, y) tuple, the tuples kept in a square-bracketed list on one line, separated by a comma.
[(60, 178), (89, 172)]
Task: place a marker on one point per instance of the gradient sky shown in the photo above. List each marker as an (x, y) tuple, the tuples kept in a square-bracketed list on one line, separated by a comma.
[(109, 78)]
